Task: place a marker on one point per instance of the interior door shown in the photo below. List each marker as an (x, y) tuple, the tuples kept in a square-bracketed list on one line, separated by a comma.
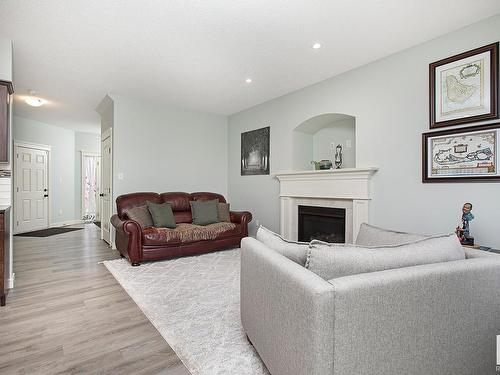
[(31, 203), (106, 192)]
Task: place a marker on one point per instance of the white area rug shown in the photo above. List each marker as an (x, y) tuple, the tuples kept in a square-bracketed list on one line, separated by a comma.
[(194, 302)]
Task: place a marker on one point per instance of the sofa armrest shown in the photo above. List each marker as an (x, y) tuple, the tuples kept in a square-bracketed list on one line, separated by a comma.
[(286, 312), (242, 218), (431, 319), (128, 238)]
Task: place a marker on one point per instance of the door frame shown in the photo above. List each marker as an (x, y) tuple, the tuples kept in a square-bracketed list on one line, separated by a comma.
[(108, 133), (35, 146), (82, 155)]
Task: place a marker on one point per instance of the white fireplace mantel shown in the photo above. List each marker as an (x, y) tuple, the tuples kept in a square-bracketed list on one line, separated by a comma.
[(348, 188)]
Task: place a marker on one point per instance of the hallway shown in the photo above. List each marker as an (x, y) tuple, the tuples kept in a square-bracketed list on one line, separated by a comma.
[(67, 314)]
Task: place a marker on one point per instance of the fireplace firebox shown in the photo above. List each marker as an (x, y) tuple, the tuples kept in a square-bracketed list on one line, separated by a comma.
[(321, 223)]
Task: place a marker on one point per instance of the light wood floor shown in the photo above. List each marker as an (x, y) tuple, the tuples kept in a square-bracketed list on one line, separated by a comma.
[(68, 315)]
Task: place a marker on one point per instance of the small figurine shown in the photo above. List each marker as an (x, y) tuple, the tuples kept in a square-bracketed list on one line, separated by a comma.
[(463, 231), (338, 156)]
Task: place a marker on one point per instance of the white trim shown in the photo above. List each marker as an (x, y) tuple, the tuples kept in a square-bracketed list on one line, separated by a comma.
[(37, 146), (89, 153), (108, 133), (10, 281), (15, 204)]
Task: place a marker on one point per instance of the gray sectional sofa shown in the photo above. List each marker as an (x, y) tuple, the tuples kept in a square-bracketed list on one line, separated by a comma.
[(427, 319)]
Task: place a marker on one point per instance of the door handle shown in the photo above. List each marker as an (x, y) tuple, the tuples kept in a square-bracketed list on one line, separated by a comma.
[(45, 195), (101, 195)]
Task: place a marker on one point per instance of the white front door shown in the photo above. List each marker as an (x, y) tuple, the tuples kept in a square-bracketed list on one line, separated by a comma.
[(106, 191), (31, 204)]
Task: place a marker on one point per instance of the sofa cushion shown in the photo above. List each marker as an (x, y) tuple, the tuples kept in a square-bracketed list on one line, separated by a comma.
[(370, 235), (204, 212), (332, 261), (162, 215), (223, 212), (185, 233), (141, 215), (296, 251)]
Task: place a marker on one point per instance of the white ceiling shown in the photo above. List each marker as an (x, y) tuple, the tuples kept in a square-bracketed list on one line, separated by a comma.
[(197, 53)]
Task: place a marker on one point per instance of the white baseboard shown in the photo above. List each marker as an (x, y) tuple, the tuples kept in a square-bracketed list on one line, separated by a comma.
[(10, 281), (66, 223)]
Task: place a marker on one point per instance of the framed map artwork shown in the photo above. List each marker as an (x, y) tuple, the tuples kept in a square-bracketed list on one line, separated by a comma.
[(469, 154), (463, 88)]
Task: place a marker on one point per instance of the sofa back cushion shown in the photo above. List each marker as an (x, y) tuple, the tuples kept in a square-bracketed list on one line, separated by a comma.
[(296, 251), (128, 201), (333, 261), (179, 202), (206, 196), (370, 235)]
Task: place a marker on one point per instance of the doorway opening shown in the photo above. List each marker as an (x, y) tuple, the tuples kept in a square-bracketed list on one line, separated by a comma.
[(91, 175)]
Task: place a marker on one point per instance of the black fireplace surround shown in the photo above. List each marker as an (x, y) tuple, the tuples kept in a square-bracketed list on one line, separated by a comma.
[(321, 223)]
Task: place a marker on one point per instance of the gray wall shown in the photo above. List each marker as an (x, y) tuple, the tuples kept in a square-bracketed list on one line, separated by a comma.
[(160, 148), (65, 163), (339, 133), (389, 99), (62, 163), (83, 142)]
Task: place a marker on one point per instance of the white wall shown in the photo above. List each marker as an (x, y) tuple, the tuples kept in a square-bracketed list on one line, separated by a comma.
[(62, 164), (83, 142), (389, 99), (339, 133), (159, 148)]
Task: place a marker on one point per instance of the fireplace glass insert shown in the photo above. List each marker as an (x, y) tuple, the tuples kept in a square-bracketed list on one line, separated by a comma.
[(321, 223)]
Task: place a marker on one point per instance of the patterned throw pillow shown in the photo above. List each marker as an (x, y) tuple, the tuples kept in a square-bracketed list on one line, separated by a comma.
[(141, 215), (223, 212)]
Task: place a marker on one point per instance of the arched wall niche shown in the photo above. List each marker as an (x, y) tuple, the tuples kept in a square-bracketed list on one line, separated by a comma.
[(317, 137)]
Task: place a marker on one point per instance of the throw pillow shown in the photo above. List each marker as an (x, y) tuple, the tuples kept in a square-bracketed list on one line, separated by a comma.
[(223, 212), (204, 212), (162, 214), (332, 261), (370, 235), (141, 215), (296, 251)]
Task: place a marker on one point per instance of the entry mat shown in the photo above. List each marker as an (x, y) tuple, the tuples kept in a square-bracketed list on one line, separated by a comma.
[(47, 232)]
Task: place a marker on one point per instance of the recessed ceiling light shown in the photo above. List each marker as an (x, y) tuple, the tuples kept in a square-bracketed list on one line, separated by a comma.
[(34, 101), (316, 45), (248, 80)]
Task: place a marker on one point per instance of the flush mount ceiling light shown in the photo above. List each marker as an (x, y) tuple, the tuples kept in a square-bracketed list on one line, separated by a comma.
[(34, 101), (248, 80), (316, 45)]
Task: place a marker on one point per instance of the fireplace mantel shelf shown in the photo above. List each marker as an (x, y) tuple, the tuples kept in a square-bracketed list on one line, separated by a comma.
[(331, 173)]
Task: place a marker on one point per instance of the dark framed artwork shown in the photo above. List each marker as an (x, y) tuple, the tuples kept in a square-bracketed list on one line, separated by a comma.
[(465, 154), (255, 147), (463, 88)]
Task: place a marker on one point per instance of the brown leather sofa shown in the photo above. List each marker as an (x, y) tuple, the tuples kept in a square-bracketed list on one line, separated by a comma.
[(144, 244)]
